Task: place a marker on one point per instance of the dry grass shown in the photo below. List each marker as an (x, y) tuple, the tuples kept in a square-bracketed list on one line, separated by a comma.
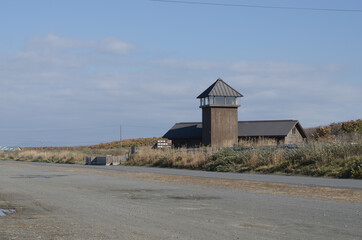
[(343, 160), (317, 159), (332, 155), (346, 131), (75, 154), (57, 156), (62, 156), (127, 143), (169, 158)]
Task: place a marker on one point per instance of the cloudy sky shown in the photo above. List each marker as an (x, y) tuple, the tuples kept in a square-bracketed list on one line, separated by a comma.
[(72, 72)]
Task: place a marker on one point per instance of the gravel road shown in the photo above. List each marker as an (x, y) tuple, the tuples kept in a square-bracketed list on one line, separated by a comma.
[(296, 180), (73, 202)]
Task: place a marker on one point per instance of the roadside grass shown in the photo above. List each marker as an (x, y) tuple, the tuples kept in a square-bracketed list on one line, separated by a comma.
[(328, 158), (340, 160), (49, 156), (169, 158), (72, 156), (115, 145)]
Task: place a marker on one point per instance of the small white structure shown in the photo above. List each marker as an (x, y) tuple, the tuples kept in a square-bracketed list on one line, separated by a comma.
[(164, 143), (8, 148)]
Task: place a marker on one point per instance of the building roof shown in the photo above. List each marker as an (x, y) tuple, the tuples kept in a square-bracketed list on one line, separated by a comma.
[(269, 128), (220, 89), (185, 130)]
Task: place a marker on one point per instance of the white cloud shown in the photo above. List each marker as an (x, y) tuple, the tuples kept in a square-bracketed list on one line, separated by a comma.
[(187, 64), (56, 42), (55, 81), (115, 46), (245, 67), (279, 67)]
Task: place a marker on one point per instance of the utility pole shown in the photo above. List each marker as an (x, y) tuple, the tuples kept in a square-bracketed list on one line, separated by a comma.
[(120, 135)]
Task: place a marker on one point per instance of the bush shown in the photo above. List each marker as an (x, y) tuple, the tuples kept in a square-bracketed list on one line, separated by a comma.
[(353, 168), (336, 128), (321, 132), (333, 159), (352, 126), (224, 161)]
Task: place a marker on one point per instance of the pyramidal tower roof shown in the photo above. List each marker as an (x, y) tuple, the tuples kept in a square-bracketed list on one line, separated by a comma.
[(220, 89)]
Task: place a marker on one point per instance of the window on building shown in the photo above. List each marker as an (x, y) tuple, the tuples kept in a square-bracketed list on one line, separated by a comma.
[(294, 131), (202, 101), (219, 100), (211, 100), (230, 101)]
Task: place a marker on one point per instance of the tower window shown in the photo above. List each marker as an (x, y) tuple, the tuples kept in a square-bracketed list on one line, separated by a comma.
[(230, 101), (219, 100), (211, 100)]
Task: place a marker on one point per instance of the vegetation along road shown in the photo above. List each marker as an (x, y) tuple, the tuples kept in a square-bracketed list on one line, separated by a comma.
[(75, 202)]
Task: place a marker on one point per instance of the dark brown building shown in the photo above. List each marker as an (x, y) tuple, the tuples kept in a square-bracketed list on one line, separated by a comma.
[(220, 126), (219, 115), (271, 132)]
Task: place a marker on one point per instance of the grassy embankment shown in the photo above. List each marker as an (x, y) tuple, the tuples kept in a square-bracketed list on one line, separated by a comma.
[(334, 151), (342, 160), (74, 155)]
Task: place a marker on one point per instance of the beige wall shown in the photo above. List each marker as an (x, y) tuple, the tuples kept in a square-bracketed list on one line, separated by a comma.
[(260, 141), (220, 126), (294, 137)]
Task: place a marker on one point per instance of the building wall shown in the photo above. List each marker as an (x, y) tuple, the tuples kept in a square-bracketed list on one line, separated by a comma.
[(294, 137), (206, 126), (260, 141), (186, 142), (220, 126)]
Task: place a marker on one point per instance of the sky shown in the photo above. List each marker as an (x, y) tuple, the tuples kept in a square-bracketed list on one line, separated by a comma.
[(75, 72)]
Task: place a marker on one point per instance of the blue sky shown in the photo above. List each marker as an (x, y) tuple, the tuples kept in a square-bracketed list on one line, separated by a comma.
[(72, 71)]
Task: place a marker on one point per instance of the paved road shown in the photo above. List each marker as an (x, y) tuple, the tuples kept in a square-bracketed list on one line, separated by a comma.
[(74, 202), (296, 180)]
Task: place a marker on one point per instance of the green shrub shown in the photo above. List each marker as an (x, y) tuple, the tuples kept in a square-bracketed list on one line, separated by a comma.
[(352, 126), (352, 168), (333, 159)]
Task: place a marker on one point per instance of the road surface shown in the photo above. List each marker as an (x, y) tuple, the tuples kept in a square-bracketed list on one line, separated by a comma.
[(76, 202)]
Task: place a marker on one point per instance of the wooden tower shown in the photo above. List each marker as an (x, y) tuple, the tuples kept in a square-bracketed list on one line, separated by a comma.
[(219, 115)]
